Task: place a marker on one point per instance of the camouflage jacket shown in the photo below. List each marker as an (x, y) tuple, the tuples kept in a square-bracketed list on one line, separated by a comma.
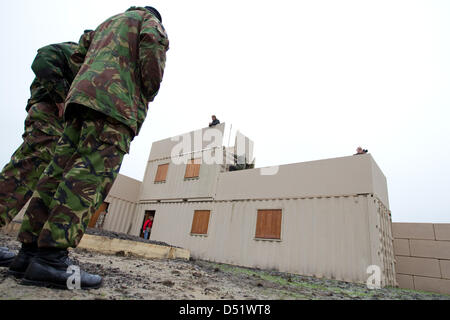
[(123, 68), (54, 73)]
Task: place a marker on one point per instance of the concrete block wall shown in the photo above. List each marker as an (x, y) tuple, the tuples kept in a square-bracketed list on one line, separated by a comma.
[(422, 252)]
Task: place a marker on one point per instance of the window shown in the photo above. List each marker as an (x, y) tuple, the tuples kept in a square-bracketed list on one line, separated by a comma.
[(268, 225), (161, 174), (201, 222), (193, 169)]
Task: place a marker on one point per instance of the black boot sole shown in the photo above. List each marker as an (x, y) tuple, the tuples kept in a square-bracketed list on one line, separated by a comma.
[(16, 274), (27, 282), (6, 263)]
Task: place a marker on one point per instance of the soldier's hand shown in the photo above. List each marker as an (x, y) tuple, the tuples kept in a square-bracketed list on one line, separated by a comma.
[(60, 109)]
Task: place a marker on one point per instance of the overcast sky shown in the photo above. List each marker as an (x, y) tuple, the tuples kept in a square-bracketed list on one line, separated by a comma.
[(306, 80)]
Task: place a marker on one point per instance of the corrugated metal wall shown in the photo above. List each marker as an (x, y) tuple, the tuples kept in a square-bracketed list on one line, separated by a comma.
[(176, 186), (193, 141), (327, 237), (386, 240), (121, 214)]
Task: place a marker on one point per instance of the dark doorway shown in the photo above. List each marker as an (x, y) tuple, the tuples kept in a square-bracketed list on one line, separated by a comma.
[(146, 228)]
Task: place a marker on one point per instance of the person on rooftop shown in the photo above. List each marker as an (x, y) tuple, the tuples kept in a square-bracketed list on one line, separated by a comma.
[(360, 151), (214, 122)]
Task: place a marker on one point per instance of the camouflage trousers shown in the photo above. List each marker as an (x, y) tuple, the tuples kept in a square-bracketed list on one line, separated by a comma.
[(18, 179), (86, 161)]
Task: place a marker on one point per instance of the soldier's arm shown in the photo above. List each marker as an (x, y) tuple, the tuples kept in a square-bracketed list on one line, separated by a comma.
[(152, 57), (50, 67)]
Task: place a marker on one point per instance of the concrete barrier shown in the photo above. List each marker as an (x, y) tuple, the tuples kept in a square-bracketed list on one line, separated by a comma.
[(139, 249)]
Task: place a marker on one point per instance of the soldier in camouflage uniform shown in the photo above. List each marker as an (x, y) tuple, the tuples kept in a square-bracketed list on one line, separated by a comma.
[(54, 72), (105, 109)]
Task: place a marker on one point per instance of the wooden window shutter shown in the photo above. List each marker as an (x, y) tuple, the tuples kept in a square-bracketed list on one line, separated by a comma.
[(193, 169), (201, 222), (268, 225), (188, 170), (196, 168), (161, 174)]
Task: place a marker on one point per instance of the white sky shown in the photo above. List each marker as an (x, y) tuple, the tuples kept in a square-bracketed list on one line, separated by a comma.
[(306, 80)]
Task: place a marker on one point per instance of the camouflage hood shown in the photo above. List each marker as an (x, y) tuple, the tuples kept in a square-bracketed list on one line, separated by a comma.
[(54, 72)]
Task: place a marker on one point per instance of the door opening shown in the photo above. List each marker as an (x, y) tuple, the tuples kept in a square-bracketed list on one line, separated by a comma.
[(147, 224)]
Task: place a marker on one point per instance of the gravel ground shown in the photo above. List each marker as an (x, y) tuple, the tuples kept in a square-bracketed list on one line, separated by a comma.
[(131, 278)]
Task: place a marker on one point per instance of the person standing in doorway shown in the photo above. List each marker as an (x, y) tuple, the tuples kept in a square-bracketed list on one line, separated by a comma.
[(148, 228)]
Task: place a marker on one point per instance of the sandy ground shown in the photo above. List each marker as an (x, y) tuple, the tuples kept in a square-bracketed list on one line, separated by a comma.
[(131, 278)]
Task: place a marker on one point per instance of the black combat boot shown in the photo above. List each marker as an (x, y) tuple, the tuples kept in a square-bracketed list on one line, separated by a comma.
[(53, 268), (23, 259), (6, 257)]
